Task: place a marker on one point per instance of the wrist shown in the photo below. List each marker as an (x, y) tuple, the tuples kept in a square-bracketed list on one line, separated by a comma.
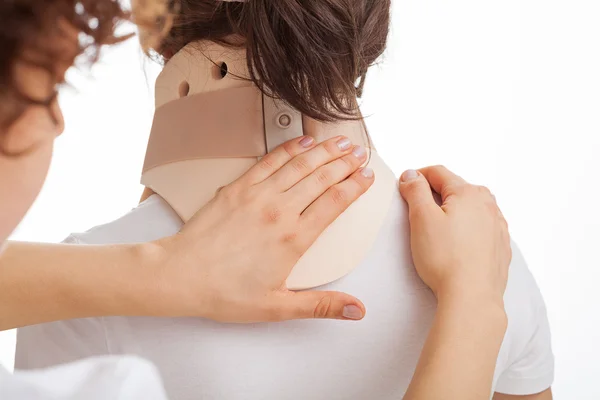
[(148, 269), (478, 309), (131, 280), (168, 289), (470, 292)]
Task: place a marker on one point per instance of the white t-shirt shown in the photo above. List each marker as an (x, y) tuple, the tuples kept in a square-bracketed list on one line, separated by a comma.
[(98, 378), (308, 359)]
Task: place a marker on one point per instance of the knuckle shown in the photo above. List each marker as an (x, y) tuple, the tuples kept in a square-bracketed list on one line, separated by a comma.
[(331, 148), (289, 148), (289, 238), (350, 163), (228, 193), (454, 189), (301, 165), (323, 307), (359, 183), (339, 196), (465, 189), (267, 163), (219, 190), (298, 241), (492, 209), (484, 191), (322, 176), (272, 215)]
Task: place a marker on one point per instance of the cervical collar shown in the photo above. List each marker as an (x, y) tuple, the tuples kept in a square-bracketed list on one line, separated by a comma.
[(209, 129)]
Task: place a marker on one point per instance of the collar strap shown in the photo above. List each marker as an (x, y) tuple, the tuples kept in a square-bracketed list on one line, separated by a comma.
[(229, 123)]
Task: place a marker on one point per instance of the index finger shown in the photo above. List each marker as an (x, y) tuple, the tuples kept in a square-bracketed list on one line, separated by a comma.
[(331, 204), (273, 161), (442, 180)]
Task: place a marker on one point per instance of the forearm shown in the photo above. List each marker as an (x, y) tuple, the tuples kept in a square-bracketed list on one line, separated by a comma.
[(459, 356), (49, 282)]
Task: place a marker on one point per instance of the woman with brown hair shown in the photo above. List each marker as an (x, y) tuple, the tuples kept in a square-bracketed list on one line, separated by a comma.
[(310, 55), (180, 275)]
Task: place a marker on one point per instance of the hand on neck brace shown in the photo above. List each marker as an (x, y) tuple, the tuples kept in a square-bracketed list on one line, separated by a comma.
[(211, 125)]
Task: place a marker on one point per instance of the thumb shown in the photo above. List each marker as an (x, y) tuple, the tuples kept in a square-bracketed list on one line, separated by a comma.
[(416, 191), (317, 304)]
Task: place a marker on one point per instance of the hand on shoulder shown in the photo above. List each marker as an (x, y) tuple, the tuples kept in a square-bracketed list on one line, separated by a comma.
[(461, 248), (230, 262)]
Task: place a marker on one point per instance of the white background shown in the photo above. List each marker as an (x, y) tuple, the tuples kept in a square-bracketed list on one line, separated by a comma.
[(505, 93)]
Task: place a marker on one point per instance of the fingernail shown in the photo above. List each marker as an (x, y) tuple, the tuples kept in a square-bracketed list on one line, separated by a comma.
[(307, 141), (409, 175), (352, 312), (359, 152), (367, 173), (344, 144)]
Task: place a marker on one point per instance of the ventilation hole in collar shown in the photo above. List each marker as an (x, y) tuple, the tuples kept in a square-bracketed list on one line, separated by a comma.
[(219, 70), (184, 89), (223, 70)]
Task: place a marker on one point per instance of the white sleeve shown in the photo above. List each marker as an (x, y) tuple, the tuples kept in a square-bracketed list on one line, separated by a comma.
[(532, 371), (110, 377)]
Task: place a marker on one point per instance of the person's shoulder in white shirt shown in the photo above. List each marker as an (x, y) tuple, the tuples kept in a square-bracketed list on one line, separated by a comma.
[(374, 358)]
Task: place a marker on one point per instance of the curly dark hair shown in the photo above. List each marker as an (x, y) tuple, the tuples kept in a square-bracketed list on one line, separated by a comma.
[(30, 27), (312, 54)]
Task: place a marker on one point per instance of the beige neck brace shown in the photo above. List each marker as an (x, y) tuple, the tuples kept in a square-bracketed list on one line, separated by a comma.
[(209, 129)]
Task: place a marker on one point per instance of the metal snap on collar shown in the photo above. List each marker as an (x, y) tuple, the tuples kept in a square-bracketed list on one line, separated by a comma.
[(284, 120)]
